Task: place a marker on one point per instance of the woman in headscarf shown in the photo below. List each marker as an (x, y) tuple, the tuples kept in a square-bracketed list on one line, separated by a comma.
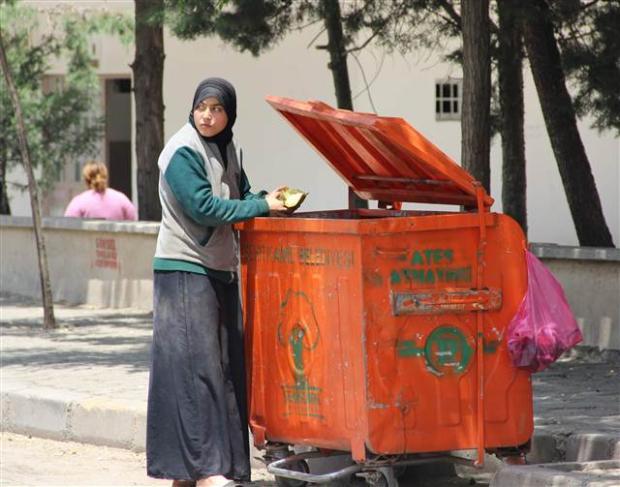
[(197, 430)]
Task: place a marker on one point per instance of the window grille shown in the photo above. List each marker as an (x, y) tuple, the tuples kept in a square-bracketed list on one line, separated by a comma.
[(448, 98)]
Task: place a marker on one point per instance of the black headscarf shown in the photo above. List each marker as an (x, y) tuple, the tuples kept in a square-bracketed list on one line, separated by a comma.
[(224, 92)]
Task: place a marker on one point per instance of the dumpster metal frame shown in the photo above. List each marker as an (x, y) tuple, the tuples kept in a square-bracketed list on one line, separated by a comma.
[(278, 467)]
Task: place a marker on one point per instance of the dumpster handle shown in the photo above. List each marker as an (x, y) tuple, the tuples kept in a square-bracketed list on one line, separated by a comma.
[(479, 324)]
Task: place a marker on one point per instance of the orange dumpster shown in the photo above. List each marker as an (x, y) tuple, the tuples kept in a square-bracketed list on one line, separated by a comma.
[(381, 333)]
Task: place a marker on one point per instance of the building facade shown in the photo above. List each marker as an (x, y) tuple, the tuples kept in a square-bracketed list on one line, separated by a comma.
[(416, 87)]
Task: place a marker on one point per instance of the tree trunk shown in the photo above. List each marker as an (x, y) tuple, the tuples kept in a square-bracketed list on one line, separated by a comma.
[(46, 289), (337, 53), (510, 73), (5, 207), (340, 71), (475, 124), (561, 123), (148, 74)]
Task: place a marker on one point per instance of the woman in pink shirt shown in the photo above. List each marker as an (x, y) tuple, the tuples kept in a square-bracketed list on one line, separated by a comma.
[(99, 201)]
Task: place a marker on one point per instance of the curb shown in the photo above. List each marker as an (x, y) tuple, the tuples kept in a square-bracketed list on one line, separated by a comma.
[(572, 474), (579, 447), (68, 416)]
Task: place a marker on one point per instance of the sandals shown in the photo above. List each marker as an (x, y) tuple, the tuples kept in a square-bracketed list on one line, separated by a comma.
[(192, 483)]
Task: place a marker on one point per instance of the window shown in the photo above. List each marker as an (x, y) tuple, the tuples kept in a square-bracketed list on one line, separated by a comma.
[(448, 96), (122, 85)]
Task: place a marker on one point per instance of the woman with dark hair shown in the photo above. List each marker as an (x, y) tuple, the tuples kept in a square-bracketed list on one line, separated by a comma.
[(197, 431), (99, 201)]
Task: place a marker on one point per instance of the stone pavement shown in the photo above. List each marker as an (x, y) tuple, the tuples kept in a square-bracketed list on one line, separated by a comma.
[(87, 382)]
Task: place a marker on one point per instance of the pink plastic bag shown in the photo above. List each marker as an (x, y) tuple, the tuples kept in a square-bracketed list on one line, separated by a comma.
[(544, 326)]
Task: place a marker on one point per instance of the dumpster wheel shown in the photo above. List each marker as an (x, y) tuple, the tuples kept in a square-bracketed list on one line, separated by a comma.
[(299, 466), (381, 477)]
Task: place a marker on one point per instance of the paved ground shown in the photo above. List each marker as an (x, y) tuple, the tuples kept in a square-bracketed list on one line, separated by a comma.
[(87, 381), (579, 395), (36, 461), (32, 461)]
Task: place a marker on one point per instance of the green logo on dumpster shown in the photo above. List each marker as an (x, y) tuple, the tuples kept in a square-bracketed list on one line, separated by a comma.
[(298, 331), (447, 351)]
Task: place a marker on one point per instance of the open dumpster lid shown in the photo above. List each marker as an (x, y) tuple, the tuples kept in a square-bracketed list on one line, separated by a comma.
[(381, 158)]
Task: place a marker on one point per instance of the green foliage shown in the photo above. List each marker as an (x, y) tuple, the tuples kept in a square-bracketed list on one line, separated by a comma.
[(588, 33), (258, 25), (589, 37), (249, 25), (188, 18), (61, 121)]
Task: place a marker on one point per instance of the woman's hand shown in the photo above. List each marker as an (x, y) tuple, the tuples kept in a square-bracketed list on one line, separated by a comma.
[(273, 200)]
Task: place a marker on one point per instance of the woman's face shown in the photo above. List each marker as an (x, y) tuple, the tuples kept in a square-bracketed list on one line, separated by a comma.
[(210, 117)]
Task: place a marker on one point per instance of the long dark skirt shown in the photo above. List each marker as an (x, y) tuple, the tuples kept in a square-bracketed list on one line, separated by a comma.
[(197, 415)]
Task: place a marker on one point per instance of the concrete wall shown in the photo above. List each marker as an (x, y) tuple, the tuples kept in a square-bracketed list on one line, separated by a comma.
[(99, 263), (108, 264)]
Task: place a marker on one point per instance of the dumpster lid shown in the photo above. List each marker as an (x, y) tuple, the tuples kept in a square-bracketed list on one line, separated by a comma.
[(381, 158)]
